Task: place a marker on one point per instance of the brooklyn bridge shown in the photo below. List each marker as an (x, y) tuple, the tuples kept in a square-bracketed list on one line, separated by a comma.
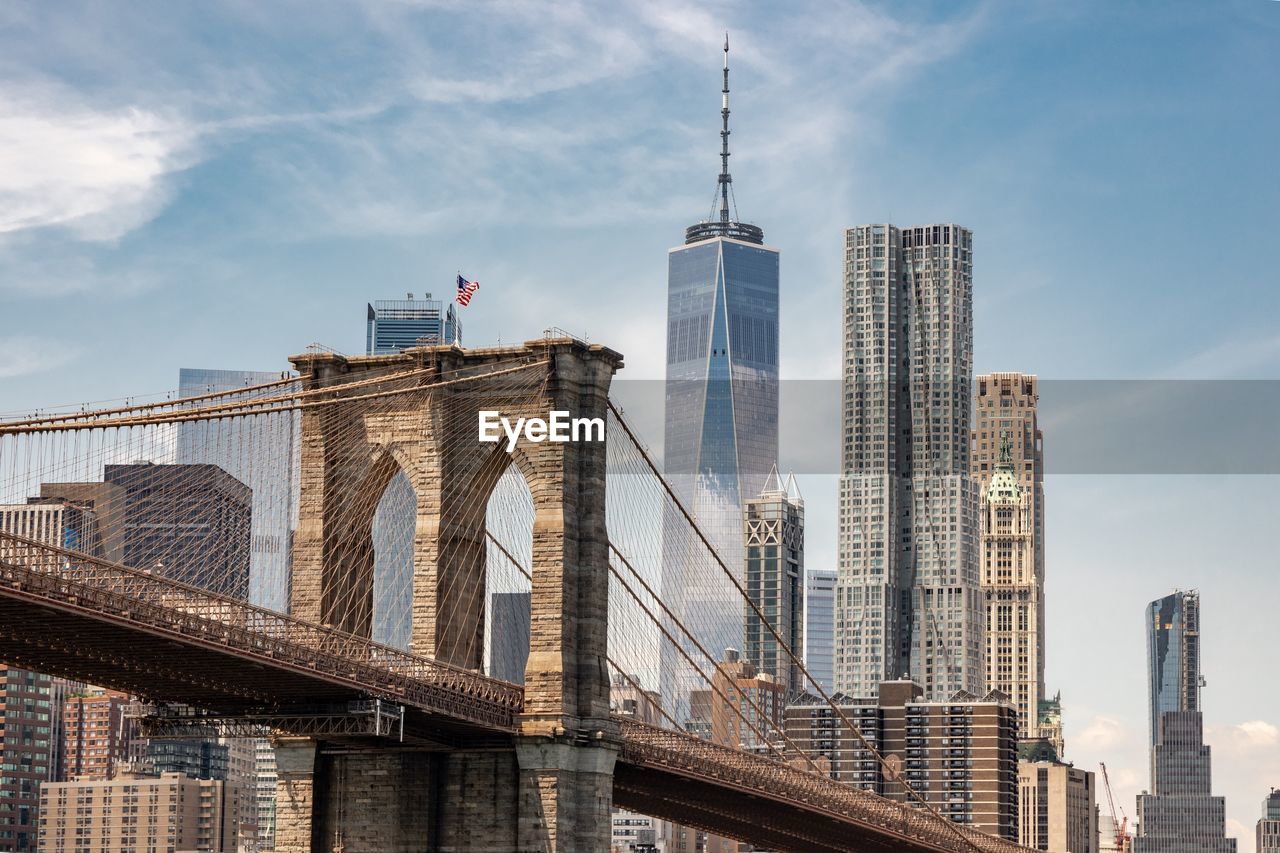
[(396, 728)]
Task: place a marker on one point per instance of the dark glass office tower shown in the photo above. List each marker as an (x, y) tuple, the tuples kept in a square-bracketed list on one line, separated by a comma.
[(722, 392)]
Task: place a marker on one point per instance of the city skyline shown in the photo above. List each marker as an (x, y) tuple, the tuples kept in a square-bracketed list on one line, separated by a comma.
[(120, 269)]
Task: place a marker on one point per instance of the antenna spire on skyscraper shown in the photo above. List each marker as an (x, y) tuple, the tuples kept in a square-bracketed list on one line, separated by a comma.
[(725, 179), (724, 225)]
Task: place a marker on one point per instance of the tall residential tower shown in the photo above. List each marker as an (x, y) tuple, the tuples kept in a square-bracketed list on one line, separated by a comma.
[(1180, 814), (908, 598), (721, 431)]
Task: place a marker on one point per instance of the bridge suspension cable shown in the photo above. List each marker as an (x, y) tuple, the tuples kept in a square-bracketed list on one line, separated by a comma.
[(201, 494)]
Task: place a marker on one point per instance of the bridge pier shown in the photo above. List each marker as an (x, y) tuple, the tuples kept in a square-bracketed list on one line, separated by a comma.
[(566, 795), (550, 789), (545, 796)]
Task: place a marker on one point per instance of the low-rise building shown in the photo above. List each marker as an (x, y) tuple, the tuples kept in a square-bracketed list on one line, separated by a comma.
[(96, 733), (960, 756), (1056, 807), (132, 812)]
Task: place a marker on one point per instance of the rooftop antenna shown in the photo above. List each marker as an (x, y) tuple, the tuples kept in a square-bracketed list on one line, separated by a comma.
[(725, 179), (724, 225)]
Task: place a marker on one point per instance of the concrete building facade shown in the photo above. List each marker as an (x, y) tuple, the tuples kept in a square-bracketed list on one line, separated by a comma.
[(961, 754), (265, 793), (31, 703), (97, 736), (139, 813), (1057, 808), (28, 707), (1013, 592), (189, 522), (908, 597)]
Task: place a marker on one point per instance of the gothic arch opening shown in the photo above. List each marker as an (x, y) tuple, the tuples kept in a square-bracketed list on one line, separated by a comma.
[(508, 560), (392, 532)]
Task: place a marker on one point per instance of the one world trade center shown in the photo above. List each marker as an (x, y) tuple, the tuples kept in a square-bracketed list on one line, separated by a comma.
[(721, 430)]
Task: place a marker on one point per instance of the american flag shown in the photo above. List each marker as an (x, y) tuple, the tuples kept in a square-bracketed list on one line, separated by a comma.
[(465, 289)]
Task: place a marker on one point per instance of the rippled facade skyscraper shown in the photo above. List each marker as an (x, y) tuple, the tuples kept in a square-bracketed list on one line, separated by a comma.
[(909, 600)]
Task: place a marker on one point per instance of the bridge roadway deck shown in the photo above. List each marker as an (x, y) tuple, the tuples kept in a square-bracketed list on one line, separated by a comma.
[(738, 794), (112, 625), (108, 624)]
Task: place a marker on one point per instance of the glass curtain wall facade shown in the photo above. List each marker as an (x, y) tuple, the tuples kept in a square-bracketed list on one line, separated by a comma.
[(1173, 655), (396, 324), (263, 460), (908, 598), (721, 429), (819, 624)]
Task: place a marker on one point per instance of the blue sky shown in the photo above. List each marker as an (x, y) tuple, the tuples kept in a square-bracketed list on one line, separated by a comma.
[(219, 185)]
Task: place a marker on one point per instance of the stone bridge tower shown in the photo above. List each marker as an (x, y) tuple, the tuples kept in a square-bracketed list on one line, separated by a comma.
[(551, 790)]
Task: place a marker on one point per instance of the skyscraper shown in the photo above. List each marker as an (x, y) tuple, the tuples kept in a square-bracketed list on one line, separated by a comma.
[(774, 530), (259, 453), (507, 630), (30, 706), (1013, 592), (1173, 655), (31, 703), (721, 432), (1008, 404), (908, 598), (819, 624), (395, 324), (190, 523), (1180, 813), (1268, 840)]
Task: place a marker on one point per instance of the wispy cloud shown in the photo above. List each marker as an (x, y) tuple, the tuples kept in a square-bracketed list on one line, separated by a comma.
[(97, 173), (25, 355)]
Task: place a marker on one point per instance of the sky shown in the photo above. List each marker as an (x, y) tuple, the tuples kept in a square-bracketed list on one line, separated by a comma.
[(222, 184)]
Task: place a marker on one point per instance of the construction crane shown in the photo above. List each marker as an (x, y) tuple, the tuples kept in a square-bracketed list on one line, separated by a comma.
[(1117, 817)]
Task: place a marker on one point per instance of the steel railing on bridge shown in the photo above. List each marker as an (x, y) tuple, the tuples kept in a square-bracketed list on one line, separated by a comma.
[(124, 595), (687, 755)]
